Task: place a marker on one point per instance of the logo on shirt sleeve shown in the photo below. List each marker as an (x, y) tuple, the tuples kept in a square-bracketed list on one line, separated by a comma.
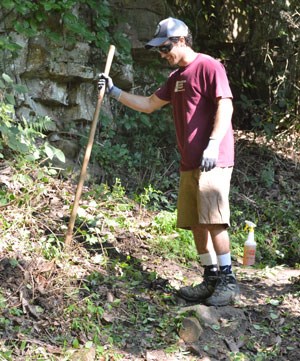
[(179, 86)]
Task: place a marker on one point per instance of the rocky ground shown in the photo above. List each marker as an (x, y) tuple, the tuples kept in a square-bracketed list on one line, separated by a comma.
[(266, 317)]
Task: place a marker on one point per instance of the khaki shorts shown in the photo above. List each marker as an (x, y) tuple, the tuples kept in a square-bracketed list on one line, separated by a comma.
[(203, 197)]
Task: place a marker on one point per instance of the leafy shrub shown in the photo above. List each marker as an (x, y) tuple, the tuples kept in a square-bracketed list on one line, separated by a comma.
[(62, 20), (21, 137)]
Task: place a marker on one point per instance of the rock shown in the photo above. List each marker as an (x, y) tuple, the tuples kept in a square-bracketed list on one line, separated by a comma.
[(48, 92), (61, 76), (232, 320), (196, 349), (206, 330), (206, 315), (69, 147), (190, 330), (231, 344)]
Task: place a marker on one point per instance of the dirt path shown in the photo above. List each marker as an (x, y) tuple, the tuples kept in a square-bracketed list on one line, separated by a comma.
[(263, 325)]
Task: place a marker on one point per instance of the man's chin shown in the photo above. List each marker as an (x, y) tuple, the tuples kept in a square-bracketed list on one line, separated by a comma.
[(172, 64)]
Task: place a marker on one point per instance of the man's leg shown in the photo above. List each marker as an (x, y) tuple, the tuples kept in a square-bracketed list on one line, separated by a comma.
[(213, 246), (204, 209), (205, 249), (208, 260), (226, 289), (221, 244)]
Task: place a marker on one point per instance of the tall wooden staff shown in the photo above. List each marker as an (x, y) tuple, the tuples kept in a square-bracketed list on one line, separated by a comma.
[(68, 239)]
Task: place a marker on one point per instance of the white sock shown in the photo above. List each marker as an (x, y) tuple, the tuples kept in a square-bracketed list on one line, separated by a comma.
[(224, 259), (208, 259)]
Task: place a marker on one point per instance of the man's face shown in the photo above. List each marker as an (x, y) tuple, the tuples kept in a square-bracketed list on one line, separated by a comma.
[(171, 51)]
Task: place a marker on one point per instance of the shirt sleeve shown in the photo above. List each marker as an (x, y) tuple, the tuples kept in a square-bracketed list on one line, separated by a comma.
[(217, 80), (163, 92)]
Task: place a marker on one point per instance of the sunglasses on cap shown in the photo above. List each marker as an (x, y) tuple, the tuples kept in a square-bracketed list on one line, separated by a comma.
[(166, 48)]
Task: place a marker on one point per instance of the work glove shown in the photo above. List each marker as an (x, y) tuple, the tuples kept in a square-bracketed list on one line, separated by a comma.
[(210, 155), (111, 89)]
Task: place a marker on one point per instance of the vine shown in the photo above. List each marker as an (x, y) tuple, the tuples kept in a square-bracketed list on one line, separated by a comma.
[(60, 20)]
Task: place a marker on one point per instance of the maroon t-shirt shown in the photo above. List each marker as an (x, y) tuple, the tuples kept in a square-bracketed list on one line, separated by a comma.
[(193, 91)]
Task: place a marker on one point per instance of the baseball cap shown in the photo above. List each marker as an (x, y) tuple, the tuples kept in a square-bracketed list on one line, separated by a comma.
[(166, 29)]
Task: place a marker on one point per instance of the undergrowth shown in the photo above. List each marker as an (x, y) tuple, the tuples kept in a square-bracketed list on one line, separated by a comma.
[(97, 297), (27, 187), (35, 210)]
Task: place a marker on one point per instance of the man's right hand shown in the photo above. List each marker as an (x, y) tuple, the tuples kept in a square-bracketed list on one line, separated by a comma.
[(111, 89), (105, 80)]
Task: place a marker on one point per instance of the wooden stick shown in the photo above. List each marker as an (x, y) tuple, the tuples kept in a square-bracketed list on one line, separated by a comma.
[(68, 239)]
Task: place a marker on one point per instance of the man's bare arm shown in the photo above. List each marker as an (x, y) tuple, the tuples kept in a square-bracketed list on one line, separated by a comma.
[(142, 103), (221, 125), (136, 102), (222, 118)]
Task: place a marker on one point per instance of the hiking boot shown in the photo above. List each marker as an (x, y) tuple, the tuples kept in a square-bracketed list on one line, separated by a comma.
[(226, 291), (200, 291)]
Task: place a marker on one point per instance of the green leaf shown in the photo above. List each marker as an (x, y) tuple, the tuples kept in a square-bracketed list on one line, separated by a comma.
[(20, 88), (54, 152), (48, 6), (274, 302), (75, 343), (8, 4), (53, 35), (49, 150), (34, 155), (10, 99), (273, 316), (88, 344), (60, 155), (7, 78)]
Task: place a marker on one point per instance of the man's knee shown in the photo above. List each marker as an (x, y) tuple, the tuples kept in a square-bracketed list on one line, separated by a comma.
[(209, 227)]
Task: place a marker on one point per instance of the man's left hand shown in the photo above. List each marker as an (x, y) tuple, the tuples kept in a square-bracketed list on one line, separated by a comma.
[(210, 155)]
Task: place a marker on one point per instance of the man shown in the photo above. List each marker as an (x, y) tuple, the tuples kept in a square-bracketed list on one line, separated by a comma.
[(199, 93)]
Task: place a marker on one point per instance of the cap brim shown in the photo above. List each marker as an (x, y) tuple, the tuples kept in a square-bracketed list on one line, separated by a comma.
[(155, 42)]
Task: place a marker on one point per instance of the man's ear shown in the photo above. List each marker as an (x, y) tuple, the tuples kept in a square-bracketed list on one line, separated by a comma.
[(182, 41)]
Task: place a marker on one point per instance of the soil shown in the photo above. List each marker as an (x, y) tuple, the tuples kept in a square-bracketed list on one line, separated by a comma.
[(269, 300), (265, 321), (262, 325)]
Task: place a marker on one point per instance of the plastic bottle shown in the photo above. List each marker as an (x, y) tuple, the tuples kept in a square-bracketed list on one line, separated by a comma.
[(250, 245)]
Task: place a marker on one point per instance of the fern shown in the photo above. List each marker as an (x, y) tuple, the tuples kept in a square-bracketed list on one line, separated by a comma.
[(41, 124), (21, 137)]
